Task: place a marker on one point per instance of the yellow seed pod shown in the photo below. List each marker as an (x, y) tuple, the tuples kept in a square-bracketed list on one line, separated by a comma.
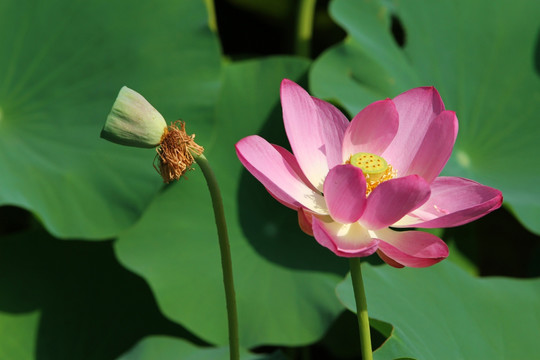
[(375, 169), (371, 164)]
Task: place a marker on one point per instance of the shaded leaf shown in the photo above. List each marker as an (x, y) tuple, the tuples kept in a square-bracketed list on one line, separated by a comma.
[(70, 300)]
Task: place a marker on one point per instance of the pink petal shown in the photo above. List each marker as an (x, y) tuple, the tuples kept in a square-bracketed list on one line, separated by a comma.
[(393, 199), (347, 240), (291, 205), (411, 248), (303, 127), (454, 201), (281, 179), (436, 148), (291, 160), (305, 221), (372, 129), (333, 126), (345, 193), (388, 260), (417, 108)]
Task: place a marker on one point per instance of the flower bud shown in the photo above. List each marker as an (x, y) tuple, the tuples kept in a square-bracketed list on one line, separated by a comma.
[(133, 121)]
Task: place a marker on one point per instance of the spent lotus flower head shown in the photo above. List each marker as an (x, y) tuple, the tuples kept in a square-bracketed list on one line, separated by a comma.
[(352, 182), (133, 121)]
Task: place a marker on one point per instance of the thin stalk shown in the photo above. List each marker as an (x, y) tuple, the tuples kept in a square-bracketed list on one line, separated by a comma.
[(225, 250), (212, 22), (304, 27), (361, 308)]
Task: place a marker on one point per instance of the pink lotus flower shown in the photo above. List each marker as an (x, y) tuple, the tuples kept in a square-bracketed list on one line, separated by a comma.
[(351, 181)]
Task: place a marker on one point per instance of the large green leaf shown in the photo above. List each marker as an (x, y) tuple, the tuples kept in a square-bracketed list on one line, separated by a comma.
[(479, 54), (444, 313), (284, 280), (62, 65)]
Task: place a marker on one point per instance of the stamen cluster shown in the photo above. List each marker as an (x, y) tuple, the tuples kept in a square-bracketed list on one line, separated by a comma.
[(374, 181), (175, 152)]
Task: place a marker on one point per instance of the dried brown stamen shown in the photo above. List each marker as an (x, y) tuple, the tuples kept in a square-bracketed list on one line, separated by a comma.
[(175, 152)]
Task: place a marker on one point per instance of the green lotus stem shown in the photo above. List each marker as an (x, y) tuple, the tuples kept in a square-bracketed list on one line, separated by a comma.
[(212, 22), (304, 27), (225, 250), (361, 308)]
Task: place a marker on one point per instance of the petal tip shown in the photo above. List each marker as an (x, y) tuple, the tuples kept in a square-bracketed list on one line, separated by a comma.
[(499, 198), (423, 94), (286, 83)]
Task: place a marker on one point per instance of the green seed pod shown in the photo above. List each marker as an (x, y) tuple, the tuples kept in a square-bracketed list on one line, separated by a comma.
[(133, 121)]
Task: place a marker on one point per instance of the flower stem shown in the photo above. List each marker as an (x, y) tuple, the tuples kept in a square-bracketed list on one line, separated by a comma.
[(225, 250), (211, 9), (361, 308), (304, 27)]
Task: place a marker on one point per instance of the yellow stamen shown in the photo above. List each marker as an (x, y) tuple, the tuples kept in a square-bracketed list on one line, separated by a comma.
[(375, 168)]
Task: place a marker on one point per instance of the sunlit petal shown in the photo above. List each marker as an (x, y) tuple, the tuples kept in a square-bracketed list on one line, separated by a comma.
[(347, 240)]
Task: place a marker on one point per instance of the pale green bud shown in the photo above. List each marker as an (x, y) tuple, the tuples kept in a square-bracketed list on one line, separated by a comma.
[(133, 121)]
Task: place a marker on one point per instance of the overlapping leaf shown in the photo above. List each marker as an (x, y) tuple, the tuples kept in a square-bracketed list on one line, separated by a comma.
[(61, 67), (444, 313), (483, 58), (162, 347)]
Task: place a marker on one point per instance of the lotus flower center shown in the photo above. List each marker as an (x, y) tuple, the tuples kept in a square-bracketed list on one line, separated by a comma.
[(375, 168)]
